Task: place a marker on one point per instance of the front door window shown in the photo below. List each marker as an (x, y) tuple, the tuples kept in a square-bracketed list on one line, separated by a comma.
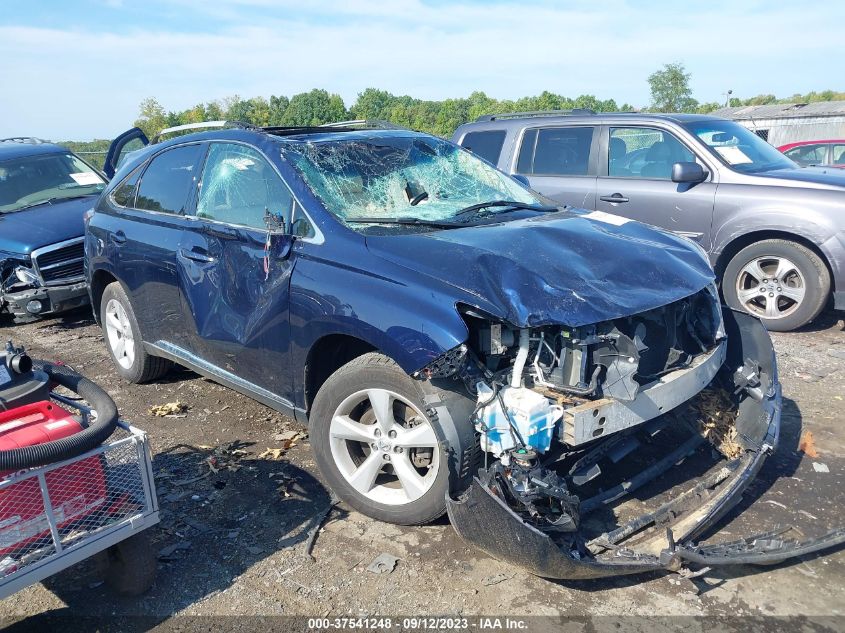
[(239, 187), (640, 152)]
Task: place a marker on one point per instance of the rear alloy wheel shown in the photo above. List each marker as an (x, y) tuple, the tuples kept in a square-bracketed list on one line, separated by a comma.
[(390, 446), (783, 283), (123, 338), (119, 334)]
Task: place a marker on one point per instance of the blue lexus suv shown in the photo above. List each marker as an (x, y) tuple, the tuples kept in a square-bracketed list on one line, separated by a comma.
[(454, 342), (45, 189)]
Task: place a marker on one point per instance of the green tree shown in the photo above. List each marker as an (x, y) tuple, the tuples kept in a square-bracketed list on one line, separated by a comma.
[(707, 108), (278, 105), (373, 104), (670, 90), (314, 108), (152, 117)]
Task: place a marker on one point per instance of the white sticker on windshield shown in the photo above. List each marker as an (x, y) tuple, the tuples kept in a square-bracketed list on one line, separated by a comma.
[(607, 218), (733, 154), (87, 178)]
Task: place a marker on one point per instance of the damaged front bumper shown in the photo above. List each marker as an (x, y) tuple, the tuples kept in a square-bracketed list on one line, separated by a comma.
[(663, 538), (26, 305)]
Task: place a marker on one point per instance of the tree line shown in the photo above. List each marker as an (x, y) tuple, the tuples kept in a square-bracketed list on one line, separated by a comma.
[(669, 86)]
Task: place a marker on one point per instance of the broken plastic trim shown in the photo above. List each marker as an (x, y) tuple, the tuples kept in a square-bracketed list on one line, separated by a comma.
[(446, 365), (486, 521)]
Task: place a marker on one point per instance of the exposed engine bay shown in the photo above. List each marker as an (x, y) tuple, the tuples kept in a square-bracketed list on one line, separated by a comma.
[(571, 421)]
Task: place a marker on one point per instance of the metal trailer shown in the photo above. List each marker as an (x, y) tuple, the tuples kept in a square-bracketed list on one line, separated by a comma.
[(60, 535)]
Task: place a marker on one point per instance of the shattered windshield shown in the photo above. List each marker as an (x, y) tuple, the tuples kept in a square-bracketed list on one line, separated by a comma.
[(35, 180), (401, 177)]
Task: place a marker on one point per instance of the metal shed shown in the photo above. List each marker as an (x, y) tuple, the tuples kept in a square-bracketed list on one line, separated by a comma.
[(783, 123)]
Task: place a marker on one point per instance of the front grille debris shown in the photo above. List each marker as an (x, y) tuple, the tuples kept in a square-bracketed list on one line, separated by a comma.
[(717, 421)]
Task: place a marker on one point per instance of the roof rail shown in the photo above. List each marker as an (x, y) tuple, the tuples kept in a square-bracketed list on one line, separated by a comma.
[(31, 140), (204, 126), (535, 113)]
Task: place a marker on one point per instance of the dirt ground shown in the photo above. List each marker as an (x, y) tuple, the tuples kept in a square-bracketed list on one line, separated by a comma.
[(232, 543)]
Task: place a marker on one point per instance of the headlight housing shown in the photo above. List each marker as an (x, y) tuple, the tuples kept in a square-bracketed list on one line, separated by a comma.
[(713, 291), (26, 276)]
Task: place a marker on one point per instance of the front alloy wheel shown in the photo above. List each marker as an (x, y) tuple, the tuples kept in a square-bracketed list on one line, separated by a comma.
[(771, 287), (783, 283), (390, 446), (384, 446)]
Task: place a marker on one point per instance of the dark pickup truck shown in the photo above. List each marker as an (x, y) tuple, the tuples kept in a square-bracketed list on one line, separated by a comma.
[(44, 191)]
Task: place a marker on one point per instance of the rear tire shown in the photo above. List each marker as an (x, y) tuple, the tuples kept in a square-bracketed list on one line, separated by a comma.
[(783, 283), (123, 338), (390, 446)]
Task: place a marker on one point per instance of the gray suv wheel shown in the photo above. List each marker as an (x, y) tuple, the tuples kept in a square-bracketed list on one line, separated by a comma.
[(783, 283)]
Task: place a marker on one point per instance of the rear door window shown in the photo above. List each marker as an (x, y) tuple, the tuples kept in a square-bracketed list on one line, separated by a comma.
[(169, 180), (556, 151), (838, 157), (487, 144)]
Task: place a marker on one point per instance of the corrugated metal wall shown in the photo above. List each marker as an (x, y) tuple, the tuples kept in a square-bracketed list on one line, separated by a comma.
[(783, 131)]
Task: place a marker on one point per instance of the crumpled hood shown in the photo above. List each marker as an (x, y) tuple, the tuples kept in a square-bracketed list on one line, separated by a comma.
[(22, 232), (558, 268)]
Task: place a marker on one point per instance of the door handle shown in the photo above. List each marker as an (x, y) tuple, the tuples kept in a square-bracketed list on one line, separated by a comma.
[(118, 238), (203, 258), (616, 197)]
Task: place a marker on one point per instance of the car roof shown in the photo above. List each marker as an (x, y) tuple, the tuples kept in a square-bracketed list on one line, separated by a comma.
[(21, 148), (314, 135), (541, 119), (258, 136)]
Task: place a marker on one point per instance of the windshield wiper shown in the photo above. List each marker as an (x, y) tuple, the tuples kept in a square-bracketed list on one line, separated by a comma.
[(507, 206), (401, 221), (51, 201)]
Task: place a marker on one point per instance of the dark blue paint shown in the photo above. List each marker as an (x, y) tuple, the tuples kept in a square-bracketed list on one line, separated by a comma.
[(21, 232), (398, 294)]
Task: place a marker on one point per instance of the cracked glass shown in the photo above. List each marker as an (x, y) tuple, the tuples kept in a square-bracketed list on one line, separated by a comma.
[(239, 186), (416, 177)]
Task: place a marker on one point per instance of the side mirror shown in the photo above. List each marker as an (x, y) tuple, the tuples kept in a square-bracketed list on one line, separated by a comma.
[(521, 178), (688, 172)]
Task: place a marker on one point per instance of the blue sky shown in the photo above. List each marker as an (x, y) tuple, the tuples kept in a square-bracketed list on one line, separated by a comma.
[(78, 70)]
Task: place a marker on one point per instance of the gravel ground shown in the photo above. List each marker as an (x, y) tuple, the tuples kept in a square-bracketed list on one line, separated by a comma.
[(232, 543)]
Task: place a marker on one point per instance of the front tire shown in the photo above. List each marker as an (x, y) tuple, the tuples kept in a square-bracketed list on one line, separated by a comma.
[(390, 446), (123, 338), (783, 283)]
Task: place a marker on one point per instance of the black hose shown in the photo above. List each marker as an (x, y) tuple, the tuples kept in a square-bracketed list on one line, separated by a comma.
[(65, 448)]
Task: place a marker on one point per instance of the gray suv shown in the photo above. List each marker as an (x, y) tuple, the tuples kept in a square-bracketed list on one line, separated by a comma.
[(774, 232)]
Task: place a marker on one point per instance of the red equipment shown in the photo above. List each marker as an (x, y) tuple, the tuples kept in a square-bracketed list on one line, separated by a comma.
[(76, 490)]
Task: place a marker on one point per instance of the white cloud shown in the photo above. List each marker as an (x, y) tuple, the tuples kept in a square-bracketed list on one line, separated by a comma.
[(82, 83)]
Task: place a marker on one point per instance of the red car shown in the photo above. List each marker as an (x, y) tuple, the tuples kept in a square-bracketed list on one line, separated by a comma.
[(829, 153)]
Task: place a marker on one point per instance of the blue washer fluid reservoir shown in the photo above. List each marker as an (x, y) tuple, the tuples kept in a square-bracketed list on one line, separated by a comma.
[(531, 413)]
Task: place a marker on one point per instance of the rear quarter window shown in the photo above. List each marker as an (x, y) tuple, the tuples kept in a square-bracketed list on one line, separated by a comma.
[(487, 144)]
